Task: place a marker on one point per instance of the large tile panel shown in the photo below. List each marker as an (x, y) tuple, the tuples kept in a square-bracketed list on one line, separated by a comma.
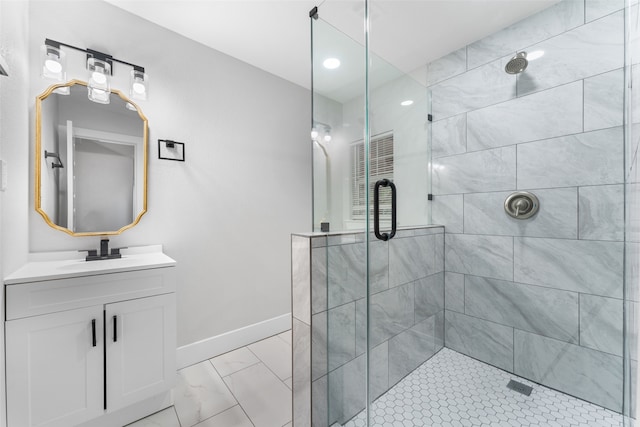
[(342, 335), (447, 210), (490, 256), (548, 23), (576, 265), (488, 170), (301, 350), (449, 136), (448, 66), (319, 346), (601, 213), (547, 114), (347, 273), (563, 366), (591, 158), (535, 309), (486, 341), (301, 278), (412, 258), (588, 50), (391, 312), (486, 85), (318, 279), (484, 214), (603, 100), (409, 349), (601, 322), (454, 291), (429, 296), (595, 9)]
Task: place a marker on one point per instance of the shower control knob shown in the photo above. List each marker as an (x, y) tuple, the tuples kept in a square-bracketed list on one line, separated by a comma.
[(521, 205)]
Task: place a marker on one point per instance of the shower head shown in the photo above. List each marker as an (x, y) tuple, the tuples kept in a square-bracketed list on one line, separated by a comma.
[(517, 64)]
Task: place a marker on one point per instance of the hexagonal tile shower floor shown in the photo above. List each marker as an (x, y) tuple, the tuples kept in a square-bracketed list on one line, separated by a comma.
[(451, 389)]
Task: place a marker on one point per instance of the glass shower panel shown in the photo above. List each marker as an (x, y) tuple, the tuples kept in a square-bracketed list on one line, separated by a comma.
[(339, 259)]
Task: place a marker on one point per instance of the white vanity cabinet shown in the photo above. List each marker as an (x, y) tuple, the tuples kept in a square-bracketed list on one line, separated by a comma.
[(86, 341)]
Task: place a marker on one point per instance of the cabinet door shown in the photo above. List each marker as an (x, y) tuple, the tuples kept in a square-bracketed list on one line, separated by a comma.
[(141, 349), (55, 375)]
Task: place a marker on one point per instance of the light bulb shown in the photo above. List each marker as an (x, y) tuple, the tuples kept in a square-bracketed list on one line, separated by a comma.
[(99, 77), (314, 133), (327, 137), (139, 88), (331, 63), (406, 103), (53, 65)]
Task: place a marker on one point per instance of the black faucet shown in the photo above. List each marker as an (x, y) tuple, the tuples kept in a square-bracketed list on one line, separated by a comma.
[(104, 252)]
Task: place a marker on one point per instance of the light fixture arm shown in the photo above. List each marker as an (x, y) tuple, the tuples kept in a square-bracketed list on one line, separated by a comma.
[(93, 54)]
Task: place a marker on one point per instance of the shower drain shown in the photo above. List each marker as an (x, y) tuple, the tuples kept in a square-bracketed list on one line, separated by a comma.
[(519, 387)]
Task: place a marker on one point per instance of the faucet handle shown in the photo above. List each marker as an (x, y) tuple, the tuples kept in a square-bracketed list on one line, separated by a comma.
[(116, 251), (90, 252)]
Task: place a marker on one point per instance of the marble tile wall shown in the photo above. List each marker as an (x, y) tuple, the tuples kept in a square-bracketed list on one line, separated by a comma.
[(406, 313), (543, 297)]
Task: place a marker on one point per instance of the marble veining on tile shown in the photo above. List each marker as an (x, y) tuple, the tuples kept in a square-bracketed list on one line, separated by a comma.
[(598, 8), (277, 412), (601, 213), (200, 394), (429, 296), (601, 321), (593, 267), (603, 100), (449, 136), (234, 361), (341, 335), (487, 170), (318, 280), (483, 86), (548, 23), (234, 417), (591, 158), (391, 312), (447, 210), (454, 291), (301, 278), (484, 214), (411, 348), (544, 311), (490, 256), (586, 51), (561, 365), (487, 341), (274, 353), (347, 273), (412, 258), (519, 120), (447, 66)]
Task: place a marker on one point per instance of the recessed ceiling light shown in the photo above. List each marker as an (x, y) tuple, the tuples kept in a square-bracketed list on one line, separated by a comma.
[(407, 102), (535, 55), (331, 63)]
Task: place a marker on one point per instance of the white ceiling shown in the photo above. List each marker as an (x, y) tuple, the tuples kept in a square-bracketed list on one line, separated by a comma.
[(274, 35)]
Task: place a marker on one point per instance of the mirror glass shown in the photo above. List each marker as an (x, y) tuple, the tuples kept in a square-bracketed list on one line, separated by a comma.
[(90, 161)]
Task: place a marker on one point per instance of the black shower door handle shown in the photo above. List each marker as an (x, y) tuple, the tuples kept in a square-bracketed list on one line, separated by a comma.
[(376, 209)]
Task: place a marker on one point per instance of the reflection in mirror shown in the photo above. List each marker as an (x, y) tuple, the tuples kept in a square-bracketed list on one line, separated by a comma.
[(90, 161)]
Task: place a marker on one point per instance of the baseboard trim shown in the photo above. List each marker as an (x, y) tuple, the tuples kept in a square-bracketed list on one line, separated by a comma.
[(196, 352)]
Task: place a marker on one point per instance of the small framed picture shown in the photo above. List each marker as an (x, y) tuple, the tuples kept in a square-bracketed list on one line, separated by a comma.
[(170, 150)]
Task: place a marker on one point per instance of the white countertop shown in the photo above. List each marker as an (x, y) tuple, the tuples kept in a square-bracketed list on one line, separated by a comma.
[(62, 265)]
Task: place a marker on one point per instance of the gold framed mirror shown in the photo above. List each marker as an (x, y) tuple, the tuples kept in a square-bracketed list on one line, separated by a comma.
[(90, 161)]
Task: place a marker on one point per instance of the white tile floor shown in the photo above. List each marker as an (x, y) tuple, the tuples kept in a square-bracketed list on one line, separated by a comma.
[(248, 387), (251, 386), (451, 389)]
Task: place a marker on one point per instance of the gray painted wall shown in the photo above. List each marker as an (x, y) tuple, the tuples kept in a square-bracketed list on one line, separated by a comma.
[(543, 297), (227, 213)]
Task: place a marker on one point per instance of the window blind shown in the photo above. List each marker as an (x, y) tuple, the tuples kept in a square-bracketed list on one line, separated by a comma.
[(380, 167)]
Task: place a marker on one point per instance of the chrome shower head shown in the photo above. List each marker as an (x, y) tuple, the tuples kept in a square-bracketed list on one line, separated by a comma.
[(517, 64)]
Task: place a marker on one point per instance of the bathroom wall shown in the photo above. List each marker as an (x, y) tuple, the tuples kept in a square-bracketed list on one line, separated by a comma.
[(406, 285), (226, 214), (543, 297), (632, 212), (14, 134)]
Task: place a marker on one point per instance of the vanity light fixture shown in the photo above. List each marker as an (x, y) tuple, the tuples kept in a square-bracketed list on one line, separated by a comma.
[(100, 66), (315, 131), (53, 62), (138, 84)]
